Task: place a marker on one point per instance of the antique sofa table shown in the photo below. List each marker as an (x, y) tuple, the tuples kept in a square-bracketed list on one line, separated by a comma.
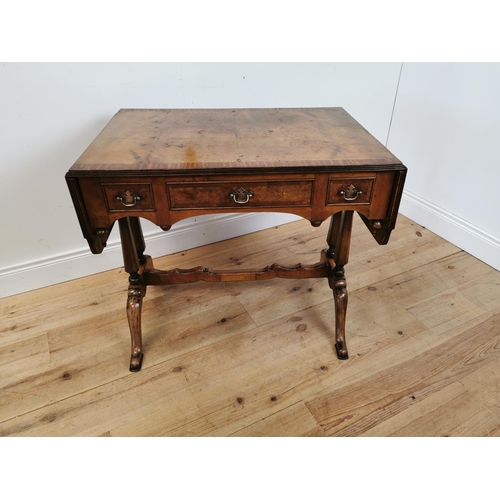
[(170, 164)]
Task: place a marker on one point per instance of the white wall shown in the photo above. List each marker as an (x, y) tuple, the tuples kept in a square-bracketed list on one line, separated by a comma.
[(49, 113), (446, 129)]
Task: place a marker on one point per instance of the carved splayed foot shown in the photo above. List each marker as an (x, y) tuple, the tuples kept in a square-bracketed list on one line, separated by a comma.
[(134, 307), (340, 299), (136, 361)]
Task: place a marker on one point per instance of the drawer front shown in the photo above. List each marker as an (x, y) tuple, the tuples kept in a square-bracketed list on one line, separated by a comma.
[(128, 197), (283, 193), (350, 191)]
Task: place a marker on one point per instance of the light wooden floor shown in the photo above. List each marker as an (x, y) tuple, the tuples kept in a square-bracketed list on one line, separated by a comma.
[(257, 358)]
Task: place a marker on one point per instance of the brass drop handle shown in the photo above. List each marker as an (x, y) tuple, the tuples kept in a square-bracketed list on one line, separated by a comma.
[(241, 195), (350, 193), (128, 199)]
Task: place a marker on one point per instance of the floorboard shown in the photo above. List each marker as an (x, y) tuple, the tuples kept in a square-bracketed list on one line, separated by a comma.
[(257, 358)]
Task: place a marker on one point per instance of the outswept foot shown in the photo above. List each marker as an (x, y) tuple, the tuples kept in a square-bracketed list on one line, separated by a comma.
[(341, 351), (340, 298), (134, 307), (136, 361)]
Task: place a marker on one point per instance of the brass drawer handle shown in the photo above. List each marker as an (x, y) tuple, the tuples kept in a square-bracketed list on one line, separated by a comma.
[(241, 195), (128, 199), (350, 193)]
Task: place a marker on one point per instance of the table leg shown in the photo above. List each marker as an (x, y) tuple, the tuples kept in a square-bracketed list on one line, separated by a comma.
[(339, 240), (134, 309), (133, 252), (140, 245)]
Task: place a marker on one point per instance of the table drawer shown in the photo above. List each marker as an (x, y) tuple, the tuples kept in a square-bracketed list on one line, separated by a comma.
[(350, 191), (128, 197), (227, 194)]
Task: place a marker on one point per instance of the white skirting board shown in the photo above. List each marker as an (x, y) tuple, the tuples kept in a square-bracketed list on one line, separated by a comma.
[(461, 233), (184, 235)]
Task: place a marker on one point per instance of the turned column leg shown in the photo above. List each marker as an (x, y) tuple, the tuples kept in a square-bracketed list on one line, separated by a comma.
[(339, 240), (133, 252)]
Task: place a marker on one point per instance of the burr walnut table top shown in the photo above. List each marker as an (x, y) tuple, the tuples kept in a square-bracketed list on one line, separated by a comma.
[(231, 140)]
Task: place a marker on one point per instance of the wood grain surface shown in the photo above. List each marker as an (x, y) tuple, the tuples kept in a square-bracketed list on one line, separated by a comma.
[(180, 139), (258, 358)]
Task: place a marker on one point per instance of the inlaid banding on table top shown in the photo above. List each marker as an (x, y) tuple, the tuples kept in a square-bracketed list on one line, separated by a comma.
[(357, 165)]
